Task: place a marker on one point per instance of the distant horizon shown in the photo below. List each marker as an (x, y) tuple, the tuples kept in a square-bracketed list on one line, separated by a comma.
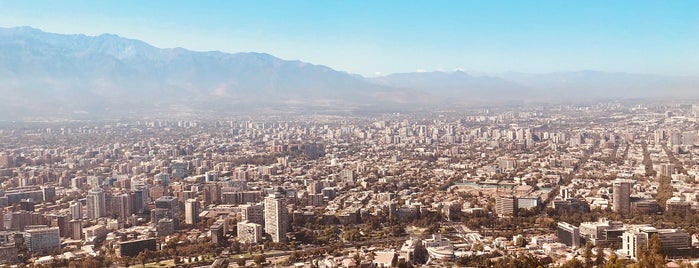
[(376, 38), (469, 72)]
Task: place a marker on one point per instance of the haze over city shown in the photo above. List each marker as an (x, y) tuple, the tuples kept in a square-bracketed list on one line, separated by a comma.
[(349, 134)]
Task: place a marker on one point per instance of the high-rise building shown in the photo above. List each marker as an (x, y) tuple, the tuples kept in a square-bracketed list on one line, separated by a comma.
[(276, 217), (162, 179), (76, 210), (568, 234), (216, 231), (42, 239), (191, 211), (249, 232), (124, 207), (666, 169), (6, 161), (621, 196), (179, 170), (347, 175), (142, 190), (96, 207), (165, 227), (505, 205), (254, 213), (22, 219), (49, 192), (138, 197), (76, 229), (170, 203)]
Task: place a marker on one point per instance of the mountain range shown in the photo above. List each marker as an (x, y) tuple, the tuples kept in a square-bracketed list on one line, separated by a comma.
[(56, 75)]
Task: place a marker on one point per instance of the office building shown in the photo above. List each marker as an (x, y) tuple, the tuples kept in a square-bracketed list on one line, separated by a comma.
[(75, 229), (168, 203), (133, 248), (165, 227), (276, 217), (124, 208), (76, 210), (96, 207), (602, 232), (191, 211), (41, 239), (673, 241), (216, 231), (505, 205), (621, 196), (568, 234)]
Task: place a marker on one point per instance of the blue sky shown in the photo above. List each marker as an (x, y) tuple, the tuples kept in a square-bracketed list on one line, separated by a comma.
[(378, 37)]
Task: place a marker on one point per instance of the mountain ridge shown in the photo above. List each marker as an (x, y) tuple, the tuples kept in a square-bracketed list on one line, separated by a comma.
[(56, 74)]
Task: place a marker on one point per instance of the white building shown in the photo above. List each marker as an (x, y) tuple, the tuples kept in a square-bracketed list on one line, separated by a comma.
[(42, 239), (276, 217), (76, 210), (191, 211), (96, 207), (249, 232)]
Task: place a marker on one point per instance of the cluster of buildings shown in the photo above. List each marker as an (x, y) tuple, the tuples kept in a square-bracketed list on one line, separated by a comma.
[(83, 186)]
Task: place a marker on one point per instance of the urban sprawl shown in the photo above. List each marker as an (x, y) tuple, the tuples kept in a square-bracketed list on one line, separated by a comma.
[(608, 184)]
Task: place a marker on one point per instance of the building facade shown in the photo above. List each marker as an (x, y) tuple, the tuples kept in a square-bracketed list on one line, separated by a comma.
[(276, 217)]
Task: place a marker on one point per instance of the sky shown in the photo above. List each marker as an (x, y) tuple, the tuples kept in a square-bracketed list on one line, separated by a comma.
[(376, 37)]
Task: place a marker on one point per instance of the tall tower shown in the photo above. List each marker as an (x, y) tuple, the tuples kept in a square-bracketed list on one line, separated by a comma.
[(96, 207), (621, 198), (76, 210), (276, 217), (125, 206), (191, 211)]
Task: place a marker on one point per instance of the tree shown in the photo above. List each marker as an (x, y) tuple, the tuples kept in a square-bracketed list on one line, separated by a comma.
[(259, 259), (651, 256), (587, 255), (294, 257), (614, 262), (573, 263), (240, 262), (599, 259), (235, 246), (141, 258)]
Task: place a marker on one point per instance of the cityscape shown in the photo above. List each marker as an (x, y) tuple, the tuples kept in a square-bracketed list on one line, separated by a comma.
[(349, 134), (540, 186)]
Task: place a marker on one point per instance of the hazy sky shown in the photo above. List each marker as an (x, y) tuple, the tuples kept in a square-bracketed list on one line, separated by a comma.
[(372, 37)]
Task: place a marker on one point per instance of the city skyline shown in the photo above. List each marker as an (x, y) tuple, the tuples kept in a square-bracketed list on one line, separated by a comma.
[(349, 133)]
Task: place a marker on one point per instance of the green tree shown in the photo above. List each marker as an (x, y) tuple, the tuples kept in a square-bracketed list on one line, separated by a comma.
[(651, 256), (573, 263), (141, 258), (614, 262), (294, 257), (587, 256), (599, 259), (259, 259)]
